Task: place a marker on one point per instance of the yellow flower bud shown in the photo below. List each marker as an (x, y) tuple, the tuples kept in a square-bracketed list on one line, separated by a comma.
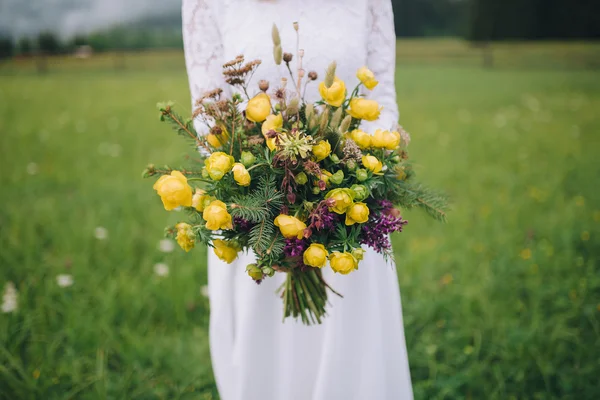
[(216, 216), (321, 150), (325, 177), (301, 178), (357, 213), (367, 77), (218, 164), (290, 227), (362, 139), (218, 140), (386, 139), (201, 199), (185, 236), (254, 272), (247, 158), (344, 263), (174, 190), (358, 253), (335, 94), (315, 255), (274, 122), (360, 108), (258, 108), (241, 174), (372, 163), (226, 251), (343, 198)]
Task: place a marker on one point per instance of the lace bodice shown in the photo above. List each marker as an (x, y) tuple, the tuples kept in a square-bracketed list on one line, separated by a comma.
[(354, 33)]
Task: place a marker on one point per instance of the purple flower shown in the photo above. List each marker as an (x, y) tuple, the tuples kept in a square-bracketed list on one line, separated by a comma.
[(321, 218), (295, 247), (242, 224), (375, 232)]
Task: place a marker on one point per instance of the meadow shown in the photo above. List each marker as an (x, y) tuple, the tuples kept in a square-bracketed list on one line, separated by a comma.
[(501, 302)]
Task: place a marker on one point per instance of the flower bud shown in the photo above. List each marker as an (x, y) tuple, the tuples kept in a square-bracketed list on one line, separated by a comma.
[(360, 192), (362, 175), (254, 272), (335, 158), (337, 178), (313, 76), (301, 178), (205, 174), (287, 57), (351, 165), (358, 253), (263, 85), (396, 159), (268, 271), (316, 190), (277, 54), (247, 158)]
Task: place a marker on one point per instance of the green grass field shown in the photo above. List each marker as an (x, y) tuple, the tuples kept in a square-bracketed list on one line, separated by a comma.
[(502, 302)]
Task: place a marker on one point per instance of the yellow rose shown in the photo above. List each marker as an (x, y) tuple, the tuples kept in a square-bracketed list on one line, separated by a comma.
[(367, 77), (321, 150), (290, 227), (225, 250), (174, 190), (274, 122), (315, 255), (258, 108), (216, 216), (200, 200), (343, 198), (335, 94), (364, 109), (357, 213), (372, 163), (218, 164), (344, 263), (241, 174), (362, 139), (219, 140), (386, 139), (185, 236)]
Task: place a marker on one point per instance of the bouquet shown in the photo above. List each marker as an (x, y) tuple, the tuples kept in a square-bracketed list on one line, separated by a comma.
[(299, 184)]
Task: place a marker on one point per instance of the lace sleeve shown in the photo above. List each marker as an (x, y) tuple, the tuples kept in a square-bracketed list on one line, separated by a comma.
[(202, 46), (381, 59)]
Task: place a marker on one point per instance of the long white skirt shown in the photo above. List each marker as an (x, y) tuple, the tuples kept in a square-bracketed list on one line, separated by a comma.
[(358, 352)]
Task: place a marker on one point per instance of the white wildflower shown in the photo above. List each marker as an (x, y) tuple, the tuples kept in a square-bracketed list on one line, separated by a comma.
[(166, 245), (9, 298), (100, 233), (161, 269), (64, 280)]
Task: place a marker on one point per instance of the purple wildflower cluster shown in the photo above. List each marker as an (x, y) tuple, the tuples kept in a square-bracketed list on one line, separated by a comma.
[(375, 233), (242, 224), (321, 218), (295, 247)]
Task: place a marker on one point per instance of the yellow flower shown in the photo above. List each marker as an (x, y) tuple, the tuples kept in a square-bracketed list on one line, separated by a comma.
[(362, 139), (217, 141), (174, 190), (241, 174), (258, 108), (372, 163), (343, 198), (321, 150), (225, 250), (358, 253), (335, 94), (357, 213), (290, 227), (272, 123), (185, 236), (315, 255), (201, 199), (216, 216), (367, 77), (344, 263), (218, 164), (364, 109), (386, 139)]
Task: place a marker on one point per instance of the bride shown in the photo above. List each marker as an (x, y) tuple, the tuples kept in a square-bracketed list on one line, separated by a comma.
[(359, 351)]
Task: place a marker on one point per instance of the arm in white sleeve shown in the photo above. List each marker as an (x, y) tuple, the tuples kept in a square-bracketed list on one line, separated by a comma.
[(203, 48), (381, 59)]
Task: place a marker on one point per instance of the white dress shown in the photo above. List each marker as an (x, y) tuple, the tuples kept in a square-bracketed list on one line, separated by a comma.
[(359, 351)]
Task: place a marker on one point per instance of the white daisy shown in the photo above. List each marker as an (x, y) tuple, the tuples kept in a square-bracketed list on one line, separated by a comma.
[(100, 233), (9, 298), (166, 245), (64, 280), (161, 269)]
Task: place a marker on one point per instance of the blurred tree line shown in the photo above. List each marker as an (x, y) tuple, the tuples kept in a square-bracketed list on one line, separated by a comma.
[(476, 20)]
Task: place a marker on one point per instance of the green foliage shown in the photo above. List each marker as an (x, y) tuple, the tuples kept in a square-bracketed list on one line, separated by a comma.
[(48, 43), (6, 47)]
